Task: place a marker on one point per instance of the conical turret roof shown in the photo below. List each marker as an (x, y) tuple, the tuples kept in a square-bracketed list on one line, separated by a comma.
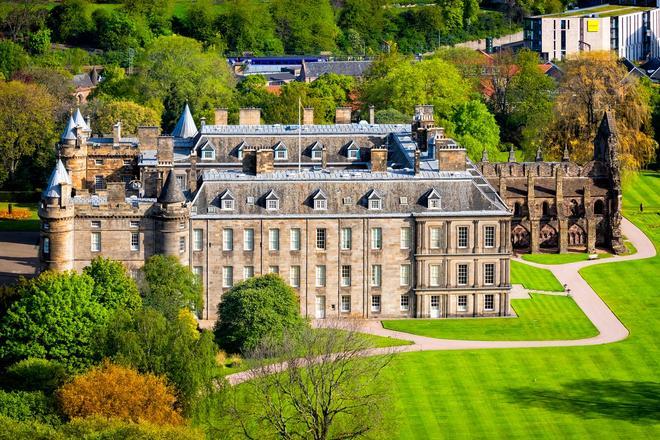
[(69, 133), (79, 120), (171, 193), (58, 177), (186, 127)]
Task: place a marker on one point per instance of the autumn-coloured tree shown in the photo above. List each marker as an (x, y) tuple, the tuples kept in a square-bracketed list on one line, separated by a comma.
[(593, 83), (115, 392), (130, 114)]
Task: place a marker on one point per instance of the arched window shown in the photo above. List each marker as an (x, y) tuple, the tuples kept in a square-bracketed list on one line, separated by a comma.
[(546, 209), (517, 210), (575, 208), (599, 207)]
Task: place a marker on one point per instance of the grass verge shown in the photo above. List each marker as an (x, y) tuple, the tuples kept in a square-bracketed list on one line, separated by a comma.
[(534, 278)]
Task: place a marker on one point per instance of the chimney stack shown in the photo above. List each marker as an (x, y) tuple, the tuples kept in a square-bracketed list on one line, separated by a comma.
[(264, 161), (451, 157), (116, 133), (372, 114), (249, 160), (221, 116), (202, 121), (343, 115), (308, 116), (165, 150), (324, 157), (249, 116), (417, 161), (379, 160)]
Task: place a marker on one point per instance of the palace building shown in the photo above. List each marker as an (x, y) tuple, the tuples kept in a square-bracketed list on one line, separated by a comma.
[(362, 219)]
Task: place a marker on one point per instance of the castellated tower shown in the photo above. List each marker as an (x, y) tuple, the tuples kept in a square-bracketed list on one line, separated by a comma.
[(172, 218), (56, 212), (73, 149)]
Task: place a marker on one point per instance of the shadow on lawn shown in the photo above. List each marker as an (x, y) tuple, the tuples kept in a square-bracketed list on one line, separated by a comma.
[(636, 402)]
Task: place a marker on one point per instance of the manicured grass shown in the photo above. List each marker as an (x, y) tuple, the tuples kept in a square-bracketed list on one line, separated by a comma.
[(534, 278), (29, 224), (543, 317), (560, 258)]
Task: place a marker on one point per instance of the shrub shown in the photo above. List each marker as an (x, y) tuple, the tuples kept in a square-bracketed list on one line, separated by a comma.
[(255, 308), (98, 428), (29, 406), (113, 287), (12, 429), (112, 391), (37, 374)]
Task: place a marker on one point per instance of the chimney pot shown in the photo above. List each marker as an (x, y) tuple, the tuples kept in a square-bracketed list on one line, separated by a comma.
[(372, 114)]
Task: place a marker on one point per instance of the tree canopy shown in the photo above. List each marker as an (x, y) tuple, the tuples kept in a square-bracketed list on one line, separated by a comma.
[(130, 114), (113, 287)]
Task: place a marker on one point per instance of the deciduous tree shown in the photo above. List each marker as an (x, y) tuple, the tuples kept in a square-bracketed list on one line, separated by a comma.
[(113, 287), (130, 114)]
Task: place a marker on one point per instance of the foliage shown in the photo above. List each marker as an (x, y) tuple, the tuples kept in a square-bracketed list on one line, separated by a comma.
[(391, 116), (69, 21), (116, 392), (117, 30), (12, 429), (149, 342), (100, 428), (55, 318), (475, 128), (28, 406), (170, 286), (39, 42), (311, 29), (12, 58), (22, 17), (27, 128), (114, 289), (249, 27), (130, 114), (255, 308), (363, 18), (34, 374), (594, 82)]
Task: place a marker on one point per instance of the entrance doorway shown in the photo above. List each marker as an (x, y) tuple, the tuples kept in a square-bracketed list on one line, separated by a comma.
[(320, 307), (435, 306)]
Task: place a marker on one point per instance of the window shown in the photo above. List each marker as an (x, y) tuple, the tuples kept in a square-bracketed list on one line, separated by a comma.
[(435, 238), (345, 304), (281, 152), (227, 239), (375, 303), (320, 204), (273, 269), (346, 201), (208, 153), (403, 200), (198, 239), (404, 303), (274, 239), (353, 152), (320, 276), (320, 238), (272, 204), (489, 302), (489, 236), (462, 236), (434, 272), (376, 238), (135, 241), (461, 304), (317, 152), (489, 273), (134, 224), (295, 239), (406, 238), (96, 242), (346, 238), (239, 152), (46, 246), (434, 203), (198, 271), (462, 275), (96, 224), (248, 239), (98, 161), (227, 276), (249, 200), (99, 182), (376, 275), (248, 272), (45, 225), (294, 276), (182, 225), (181, 181), (404, 275), (182, 244), (127, 162), (227, 203), (345, 276), (375, 203)]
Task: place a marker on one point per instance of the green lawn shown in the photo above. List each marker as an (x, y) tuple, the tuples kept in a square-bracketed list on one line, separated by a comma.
[(29, 224), (534, 278), (543, 317), (560, 258)]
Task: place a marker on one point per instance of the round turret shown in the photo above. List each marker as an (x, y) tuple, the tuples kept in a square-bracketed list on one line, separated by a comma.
[(172, 221)]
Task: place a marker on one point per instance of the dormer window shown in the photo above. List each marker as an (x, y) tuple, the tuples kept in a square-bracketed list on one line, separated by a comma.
[(281, 152), (320, 200), (317, 152), (208, 153), (272, 201), (227, 201), (353, 151), (374, 201), (239, 150), (433, 200)]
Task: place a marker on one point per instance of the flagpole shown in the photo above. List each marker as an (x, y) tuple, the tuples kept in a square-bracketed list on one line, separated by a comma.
[(299, 137)]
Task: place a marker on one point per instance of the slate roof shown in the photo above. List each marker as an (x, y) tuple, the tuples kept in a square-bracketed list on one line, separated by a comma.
[(186, 127), (69, 131), (57, 178), (82, 81), (171, 193), (79, 120), (350, 68)]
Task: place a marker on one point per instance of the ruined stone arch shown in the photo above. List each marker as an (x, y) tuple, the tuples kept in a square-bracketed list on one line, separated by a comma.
[(599, 207), (575, 208), (517, 210), (577, 237), (519, 237), (548, 236)]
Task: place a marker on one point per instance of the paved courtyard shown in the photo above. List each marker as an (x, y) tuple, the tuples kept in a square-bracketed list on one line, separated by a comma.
[(19, 255)]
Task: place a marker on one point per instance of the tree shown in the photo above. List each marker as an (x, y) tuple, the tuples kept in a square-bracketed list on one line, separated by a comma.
[(475, 128), (592, 83), (39, 42), (113, 287), (391, 116), (27, 128), (157, 12), (311, 29), (130, 114), (117, 30), (23, 17), (366, 19), (169, 286), (255, 308), (69, 21), (116, 392), (12, 58), (55, 318), (34, 374), (327, 389), (148, 341), (200, 22), (58, 83), (249, 27)]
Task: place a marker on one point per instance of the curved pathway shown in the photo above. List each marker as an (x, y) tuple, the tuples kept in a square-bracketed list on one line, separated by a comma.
[(609, 327)]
